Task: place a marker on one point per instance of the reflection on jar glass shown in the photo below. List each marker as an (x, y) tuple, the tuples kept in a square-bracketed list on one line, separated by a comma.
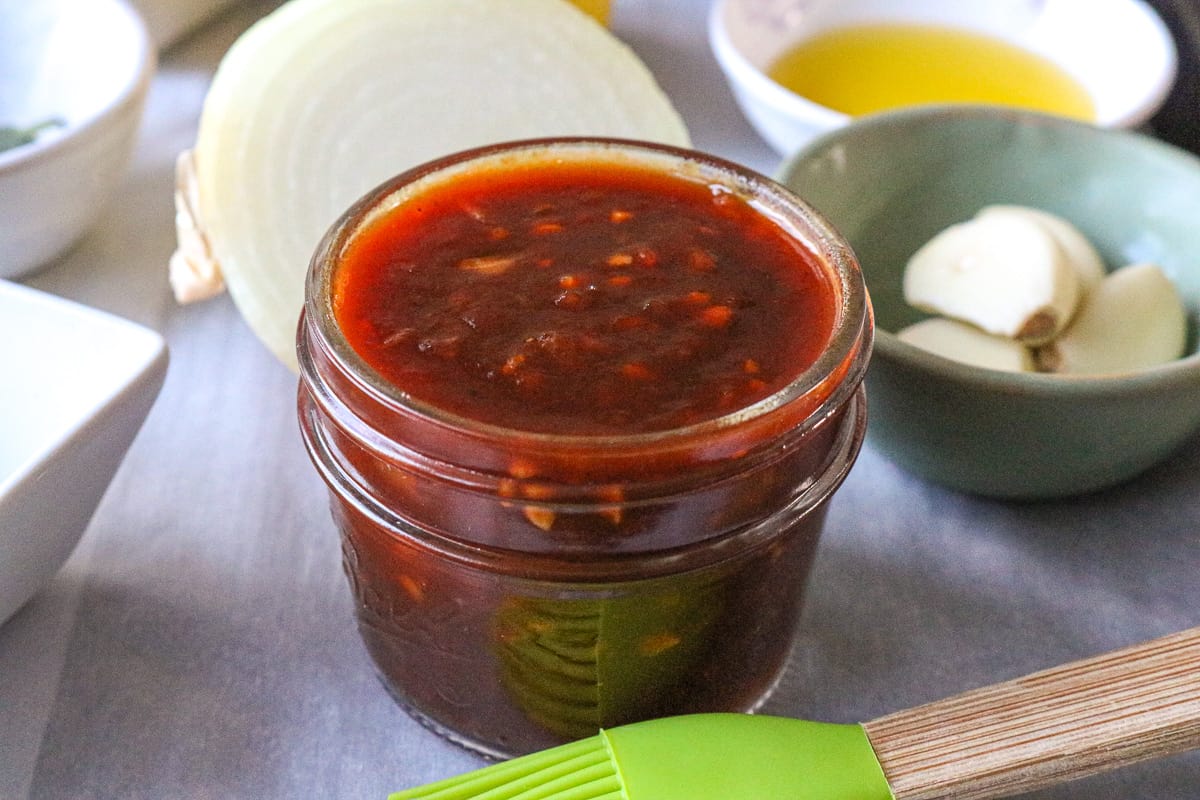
[(565, 514)]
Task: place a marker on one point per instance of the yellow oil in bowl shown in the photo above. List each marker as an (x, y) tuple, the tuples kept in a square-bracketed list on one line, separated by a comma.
[(863, 69), (599, 9)]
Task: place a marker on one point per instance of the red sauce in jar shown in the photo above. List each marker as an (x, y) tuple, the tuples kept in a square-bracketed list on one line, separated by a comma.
[(582, 299), (502, 356)]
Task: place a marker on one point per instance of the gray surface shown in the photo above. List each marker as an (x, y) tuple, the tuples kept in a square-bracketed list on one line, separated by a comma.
[(199, 643)]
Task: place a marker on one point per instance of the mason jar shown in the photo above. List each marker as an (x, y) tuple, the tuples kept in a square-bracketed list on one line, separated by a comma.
[(524, 578)]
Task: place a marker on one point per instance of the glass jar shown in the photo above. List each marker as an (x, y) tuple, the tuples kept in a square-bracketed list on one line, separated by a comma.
[(516, 589)]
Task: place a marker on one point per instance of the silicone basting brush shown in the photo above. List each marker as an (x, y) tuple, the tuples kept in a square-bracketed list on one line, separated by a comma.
[(1050, 727)]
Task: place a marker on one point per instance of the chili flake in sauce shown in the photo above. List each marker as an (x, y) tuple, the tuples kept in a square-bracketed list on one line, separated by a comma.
[(582, 298)]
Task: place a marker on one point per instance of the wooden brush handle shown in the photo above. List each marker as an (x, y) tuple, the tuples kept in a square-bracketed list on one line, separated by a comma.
[(1047, 728)]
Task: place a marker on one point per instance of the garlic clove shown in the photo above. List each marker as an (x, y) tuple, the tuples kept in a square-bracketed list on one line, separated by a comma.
[(1003, 273), (1132, 320), (1075, 246), (1078, 250), (965, 343)]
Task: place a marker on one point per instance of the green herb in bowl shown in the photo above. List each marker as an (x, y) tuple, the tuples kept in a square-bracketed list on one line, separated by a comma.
[(12, 136)]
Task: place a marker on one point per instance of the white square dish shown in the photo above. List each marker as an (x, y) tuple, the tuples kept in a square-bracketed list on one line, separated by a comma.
[(76, 385)]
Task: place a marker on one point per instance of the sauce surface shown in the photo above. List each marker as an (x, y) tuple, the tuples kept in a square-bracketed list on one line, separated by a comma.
[(868, 68), (582, 298)]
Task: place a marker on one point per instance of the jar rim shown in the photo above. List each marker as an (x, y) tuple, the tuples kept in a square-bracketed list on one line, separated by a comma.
[(829, 380)]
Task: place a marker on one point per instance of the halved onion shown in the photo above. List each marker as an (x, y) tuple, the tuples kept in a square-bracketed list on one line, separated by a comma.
[(324, 99)]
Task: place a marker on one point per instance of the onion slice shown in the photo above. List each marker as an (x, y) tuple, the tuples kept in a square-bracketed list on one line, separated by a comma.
[(322, 100)]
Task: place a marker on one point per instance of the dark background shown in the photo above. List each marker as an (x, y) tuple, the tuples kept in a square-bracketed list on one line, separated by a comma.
[(1179, 119)]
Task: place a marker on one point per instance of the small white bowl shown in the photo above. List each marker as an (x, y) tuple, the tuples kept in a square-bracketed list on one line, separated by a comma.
[(87, 63), (1119, 50), (78, 383)]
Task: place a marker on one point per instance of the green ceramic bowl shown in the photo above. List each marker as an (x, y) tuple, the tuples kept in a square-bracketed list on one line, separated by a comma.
[(890, 182)]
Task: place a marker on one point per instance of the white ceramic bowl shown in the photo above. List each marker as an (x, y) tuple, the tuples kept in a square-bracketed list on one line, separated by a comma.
[(87, 63), (1119, 50), (78, 384)]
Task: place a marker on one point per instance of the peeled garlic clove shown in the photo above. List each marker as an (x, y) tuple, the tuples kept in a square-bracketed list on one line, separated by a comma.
[(1003, 273), (1133, 319), (322, 100), (1075, 246), (965, 343)]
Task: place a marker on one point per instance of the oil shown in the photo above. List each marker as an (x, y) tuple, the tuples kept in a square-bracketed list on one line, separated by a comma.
[(599, 9), (862, 69)]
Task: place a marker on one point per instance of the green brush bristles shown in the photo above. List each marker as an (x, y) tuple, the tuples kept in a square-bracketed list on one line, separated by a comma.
[(691, 757), (581, 770)]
